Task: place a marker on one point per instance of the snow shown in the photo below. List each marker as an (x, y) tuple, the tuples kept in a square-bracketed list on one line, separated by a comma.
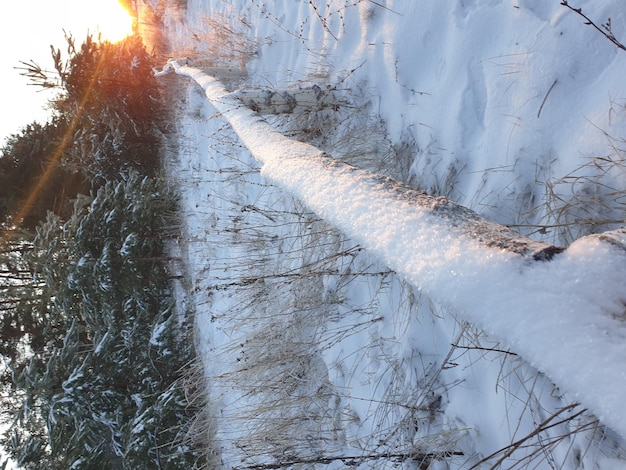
[(504, 98)]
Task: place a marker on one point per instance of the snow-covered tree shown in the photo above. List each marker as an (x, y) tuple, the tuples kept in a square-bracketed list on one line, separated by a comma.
[(108, 102), (103, 389)]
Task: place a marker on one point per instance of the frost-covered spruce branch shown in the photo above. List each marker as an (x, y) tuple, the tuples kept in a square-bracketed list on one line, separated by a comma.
[(489, 274)]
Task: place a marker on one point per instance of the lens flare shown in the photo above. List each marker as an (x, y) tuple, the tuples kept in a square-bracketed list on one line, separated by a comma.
[(109, 18)]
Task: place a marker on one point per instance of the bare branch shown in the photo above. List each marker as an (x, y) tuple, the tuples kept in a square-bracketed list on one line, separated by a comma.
[(37, 75), (605, 29)]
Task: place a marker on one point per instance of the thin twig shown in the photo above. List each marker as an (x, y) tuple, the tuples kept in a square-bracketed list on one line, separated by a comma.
[(543, 426), (605, 30), (479, 348), (385, 7), (545, 98)]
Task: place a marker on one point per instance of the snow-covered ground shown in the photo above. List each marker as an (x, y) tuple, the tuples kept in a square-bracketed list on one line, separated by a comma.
[(315, 351)]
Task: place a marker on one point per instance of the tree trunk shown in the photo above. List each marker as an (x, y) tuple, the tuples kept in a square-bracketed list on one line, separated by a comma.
[(271, 101), (267, 101), (264, 101)]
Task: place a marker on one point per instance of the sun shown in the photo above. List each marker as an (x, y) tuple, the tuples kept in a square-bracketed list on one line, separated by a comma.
[(105, 18)]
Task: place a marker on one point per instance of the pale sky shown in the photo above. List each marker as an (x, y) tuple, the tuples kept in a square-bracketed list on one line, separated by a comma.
[(27, 29)]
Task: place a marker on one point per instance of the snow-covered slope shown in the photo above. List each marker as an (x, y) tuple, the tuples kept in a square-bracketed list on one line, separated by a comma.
[(315, 350)]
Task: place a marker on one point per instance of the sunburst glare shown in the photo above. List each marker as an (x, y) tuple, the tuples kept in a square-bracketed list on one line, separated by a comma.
[(106, 18)]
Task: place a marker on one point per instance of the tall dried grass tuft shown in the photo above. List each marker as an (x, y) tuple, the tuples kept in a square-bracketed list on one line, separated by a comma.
[(590, 199)]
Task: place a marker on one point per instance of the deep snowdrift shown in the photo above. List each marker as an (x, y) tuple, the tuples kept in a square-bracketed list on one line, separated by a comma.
[(509, 108), (566, 316)]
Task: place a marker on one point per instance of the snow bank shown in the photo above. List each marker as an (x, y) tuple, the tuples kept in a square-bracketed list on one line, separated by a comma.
[(564, 316)]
